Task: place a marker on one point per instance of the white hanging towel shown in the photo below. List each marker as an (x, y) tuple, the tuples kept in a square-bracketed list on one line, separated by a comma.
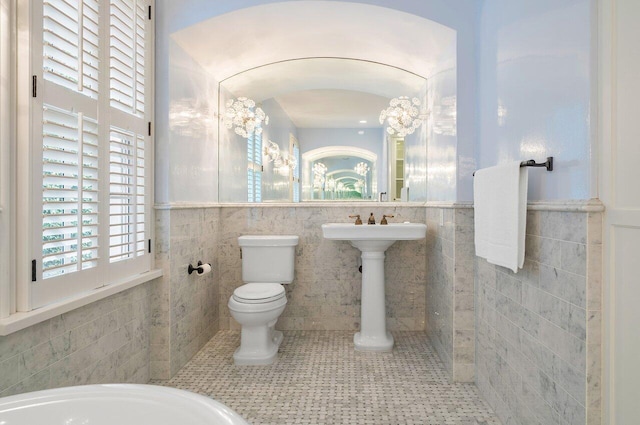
[(500, 211)]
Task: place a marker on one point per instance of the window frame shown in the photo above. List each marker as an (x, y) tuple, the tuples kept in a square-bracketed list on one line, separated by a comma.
[(29, 170), (7, 95)]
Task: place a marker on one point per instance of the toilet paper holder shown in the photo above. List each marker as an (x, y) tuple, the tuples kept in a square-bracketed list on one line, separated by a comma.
[(199, 268)]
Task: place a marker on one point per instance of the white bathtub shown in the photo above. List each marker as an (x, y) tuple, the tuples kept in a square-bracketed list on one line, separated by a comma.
[(122, 404)]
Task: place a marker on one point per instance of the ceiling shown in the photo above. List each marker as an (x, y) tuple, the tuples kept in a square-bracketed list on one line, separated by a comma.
[(326, 92), (333, 108), (393, 51)]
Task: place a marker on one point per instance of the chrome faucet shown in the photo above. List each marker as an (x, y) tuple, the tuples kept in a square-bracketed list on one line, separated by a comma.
[(384, 218), (372, 219), (357, 217)]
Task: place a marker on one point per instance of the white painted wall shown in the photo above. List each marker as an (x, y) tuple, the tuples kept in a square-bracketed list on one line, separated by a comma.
[(619, 138), (536, 88), (442, 144), (415, 156), (186, 130)]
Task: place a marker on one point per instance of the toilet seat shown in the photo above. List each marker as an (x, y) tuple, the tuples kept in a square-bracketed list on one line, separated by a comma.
[(258, 293)]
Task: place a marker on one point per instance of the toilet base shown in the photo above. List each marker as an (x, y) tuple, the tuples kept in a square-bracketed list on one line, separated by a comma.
[(264, 357)]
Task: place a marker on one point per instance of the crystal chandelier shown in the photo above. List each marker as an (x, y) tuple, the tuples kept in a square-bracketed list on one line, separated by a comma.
[(243, 114), (402, 116)]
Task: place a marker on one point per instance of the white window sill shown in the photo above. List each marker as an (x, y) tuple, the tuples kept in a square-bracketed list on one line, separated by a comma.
[(19, 321)]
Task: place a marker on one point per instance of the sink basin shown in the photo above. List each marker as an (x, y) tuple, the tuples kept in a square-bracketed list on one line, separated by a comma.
[(373, 237), (373, 240), (366, 232)]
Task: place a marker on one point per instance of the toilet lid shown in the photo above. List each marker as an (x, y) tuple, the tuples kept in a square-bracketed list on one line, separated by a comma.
[(258, 293)]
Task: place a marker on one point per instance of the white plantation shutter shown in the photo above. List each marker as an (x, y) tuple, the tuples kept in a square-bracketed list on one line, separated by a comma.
[(127, 55), (128, 148), (254, 167), (126, 195), (90, 118), (70, 44), (69, 192)]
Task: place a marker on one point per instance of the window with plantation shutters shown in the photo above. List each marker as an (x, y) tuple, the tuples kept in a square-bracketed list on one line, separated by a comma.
[(90, 119)]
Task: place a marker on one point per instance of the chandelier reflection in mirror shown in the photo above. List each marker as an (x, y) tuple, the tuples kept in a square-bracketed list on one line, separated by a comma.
[(403, 116), (361, 168), (319, 172), (291, 161), (243, 114), (282, 163)]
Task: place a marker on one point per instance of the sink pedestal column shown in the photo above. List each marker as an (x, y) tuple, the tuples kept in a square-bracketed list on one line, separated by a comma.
[(373, 241), (373, 335)]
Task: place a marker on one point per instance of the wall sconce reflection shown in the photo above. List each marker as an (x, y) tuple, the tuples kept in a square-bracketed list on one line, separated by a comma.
[(284, 164), (271, 151), (502, 115), (445, 116), (190, 118)]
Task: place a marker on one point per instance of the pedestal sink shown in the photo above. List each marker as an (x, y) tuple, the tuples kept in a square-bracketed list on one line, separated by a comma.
[(372, 241)]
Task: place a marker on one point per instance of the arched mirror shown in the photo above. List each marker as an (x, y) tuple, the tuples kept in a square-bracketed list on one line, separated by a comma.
[(322, 72), (311, 130)]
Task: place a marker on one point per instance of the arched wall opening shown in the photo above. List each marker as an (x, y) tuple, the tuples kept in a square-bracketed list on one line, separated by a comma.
[(435, 41)]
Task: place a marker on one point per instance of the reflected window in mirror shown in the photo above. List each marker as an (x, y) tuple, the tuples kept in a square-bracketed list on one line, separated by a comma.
[(254, 166), (397, 169), (294, 147)]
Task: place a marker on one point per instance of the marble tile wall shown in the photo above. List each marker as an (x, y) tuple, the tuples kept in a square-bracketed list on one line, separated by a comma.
[(106, 341), (538, 331), (326, 292), (184, 307), (450, 321), (439, 294)]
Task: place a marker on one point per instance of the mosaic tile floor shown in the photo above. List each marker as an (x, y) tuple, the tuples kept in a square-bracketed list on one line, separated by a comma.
[(320, 379)]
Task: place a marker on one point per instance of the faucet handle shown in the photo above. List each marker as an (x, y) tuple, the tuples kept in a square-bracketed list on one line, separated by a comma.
[(372, 219), (384, 218), (357, 217)]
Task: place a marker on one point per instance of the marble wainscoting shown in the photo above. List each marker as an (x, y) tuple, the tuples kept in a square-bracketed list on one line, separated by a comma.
[(450, 321), (325, 294), (539, 331), (106, 341), (184, 307)]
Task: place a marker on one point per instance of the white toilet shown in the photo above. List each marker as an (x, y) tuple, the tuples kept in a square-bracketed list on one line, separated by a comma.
[(267, 263)]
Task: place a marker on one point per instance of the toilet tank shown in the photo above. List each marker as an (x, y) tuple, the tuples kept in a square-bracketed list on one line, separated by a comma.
[(268, 258)]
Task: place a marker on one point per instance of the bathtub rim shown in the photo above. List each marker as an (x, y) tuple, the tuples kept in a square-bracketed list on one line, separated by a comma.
[(130, 391)]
